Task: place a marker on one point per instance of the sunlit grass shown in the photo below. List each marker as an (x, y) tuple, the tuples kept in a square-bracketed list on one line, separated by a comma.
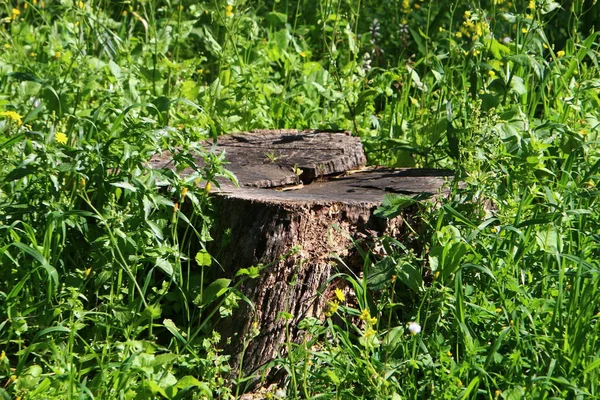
[(496, 298)]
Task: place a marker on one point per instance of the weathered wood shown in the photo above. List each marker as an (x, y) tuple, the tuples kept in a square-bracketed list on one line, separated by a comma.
[(366, 186), (320, 212), (267, 159)]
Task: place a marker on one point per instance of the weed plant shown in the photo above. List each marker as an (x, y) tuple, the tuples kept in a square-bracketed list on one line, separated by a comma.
[(101, 294)]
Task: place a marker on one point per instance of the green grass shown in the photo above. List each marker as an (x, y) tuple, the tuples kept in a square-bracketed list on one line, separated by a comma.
[(102, 292)]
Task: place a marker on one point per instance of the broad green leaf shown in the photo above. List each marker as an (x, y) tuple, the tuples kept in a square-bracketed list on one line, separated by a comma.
[(381, 273), (276, 18), (393, 339), (498, 49), (125, 185), (30, 378), (215, 290), (411, 275), (165, 266), (203, 258), (171, 327), (40, 389), (188, 381), (155, 389), (393, 204), (164, 359), (252, 272), (549, 240)]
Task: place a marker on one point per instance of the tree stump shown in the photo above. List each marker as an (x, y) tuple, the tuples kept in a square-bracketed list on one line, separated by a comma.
[(303, 193)]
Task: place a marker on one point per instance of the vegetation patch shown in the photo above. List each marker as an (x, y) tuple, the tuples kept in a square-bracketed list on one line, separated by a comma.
[(104, 288)]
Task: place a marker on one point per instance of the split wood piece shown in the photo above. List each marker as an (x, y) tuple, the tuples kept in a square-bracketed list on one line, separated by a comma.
[(258, 223)]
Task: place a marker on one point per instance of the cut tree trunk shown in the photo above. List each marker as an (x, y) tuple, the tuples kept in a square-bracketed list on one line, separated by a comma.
[(304, 198)]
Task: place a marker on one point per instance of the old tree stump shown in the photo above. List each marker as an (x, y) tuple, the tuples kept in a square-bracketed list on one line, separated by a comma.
[(307, 191)]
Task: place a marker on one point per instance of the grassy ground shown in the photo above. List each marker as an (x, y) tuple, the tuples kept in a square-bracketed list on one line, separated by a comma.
[(101, 298)]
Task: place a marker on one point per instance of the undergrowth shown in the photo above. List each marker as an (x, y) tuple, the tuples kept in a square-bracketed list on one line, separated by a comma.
[(102, 289)]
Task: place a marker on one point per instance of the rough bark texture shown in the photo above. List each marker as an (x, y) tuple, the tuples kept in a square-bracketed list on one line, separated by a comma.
[(262, 232), (313, 216)]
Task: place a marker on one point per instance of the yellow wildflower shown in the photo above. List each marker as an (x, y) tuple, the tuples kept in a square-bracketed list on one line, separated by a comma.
[(302, 54), (2, 356), (492, 73), (480, 28), (340, 295), (560, 53), (332, 307), (365, 314), (498, 310), (60, 137), (184, 192), (15, 13), (467, 14), (88, 271), (13, 116), (207, 187), (57, 54), (524, 30), (229, 11), (369, 332)]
